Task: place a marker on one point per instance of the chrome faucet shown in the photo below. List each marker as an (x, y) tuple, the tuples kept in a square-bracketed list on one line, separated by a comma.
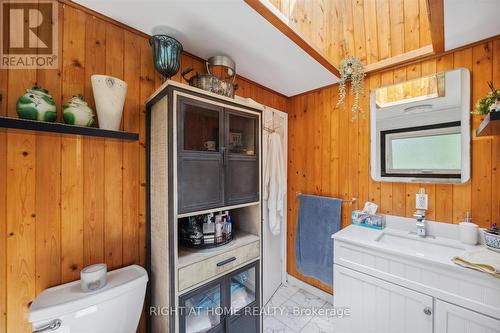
[(420, 217)]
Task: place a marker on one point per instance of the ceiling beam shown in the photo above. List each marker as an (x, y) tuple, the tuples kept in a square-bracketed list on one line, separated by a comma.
[(400, 59), (273, 16), (435, 12)]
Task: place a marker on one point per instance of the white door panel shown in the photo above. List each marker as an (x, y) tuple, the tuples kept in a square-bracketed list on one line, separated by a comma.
[(455, 319), (377, 306)]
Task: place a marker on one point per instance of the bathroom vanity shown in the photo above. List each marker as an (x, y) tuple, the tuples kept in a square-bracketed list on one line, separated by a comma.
[(395, 281), (203, 158)]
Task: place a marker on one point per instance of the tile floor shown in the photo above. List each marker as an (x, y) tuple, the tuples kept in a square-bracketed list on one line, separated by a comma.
[(283, 315)]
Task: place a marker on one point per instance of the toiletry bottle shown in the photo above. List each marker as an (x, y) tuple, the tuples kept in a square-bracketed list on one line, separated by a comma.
[(208, 225), (218, 227), (229, 225), (469, 232)]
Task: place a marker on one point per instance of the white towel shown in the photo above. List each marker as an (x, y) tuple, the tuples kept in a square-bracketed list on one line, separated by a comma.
[(483, 260), (274, 182)]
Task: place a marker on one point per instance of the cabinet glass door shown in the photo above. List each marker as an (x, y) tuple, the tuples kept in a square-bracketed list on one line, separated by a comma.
[(243, 289), (201, 127), (200, 310), (200, 162), (242, 135), (241, 158)]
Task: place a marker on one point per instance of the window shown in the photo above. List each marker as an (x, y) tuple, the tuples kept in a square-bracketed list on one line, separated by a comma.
[(432, 151), (415, 90)]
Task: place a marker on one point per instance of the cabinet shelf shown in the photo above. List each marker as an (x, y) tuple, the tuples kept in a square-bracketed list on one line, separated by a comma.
[(490, 125), (41, 126)]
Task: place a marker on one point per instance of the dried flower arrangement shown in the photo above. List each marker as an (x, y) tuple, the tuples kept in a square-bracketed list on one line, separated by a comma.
[(352, 69), (490, 102)]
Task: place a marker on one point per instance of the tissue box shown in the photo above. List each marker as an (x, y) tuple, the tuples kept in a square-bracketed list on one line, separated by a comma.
[(373, 221)]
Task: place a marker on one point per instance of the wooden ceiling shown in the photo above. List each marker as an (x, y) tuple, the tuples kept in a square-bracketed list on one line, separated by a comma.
[(381, 32)]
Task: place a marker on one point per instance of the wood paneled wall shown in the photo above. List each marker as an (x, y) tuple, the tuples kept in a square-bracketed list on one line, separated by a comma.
[(373, 30), (329, 154), (70, 201)]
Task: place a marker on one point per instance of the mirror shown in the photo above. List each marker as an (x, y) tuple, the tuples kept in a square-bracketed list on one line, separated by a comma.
[(420, 129)]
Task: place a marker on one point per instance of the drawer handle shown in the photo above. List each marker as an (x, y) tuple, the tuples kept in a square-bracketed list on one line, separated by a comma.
[(427, 311), (52, 326), (227, 261)]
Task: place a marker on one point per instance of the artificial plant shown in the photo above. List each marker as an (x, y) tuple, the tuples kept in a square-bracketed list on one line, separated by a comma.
[(353, 70)]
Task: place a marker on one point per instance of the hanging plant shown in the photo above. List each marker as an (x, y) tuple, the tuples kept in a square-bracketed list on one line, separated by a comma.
[(490, 102), (351, 69)]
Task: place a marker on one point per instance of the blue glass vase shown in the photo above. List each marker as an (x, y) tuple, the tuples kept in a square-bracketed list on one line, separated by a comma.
[(166, 54)]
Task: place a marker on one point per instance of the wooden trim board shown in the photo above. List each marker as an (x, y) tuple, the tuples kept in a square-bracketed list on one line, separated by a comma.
[(271, 14), (413, 55), (435, 12)]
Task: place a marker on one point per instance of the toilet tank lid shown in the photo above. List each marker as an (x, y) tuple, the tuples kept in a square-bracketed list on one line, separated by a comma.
[(69, 297)]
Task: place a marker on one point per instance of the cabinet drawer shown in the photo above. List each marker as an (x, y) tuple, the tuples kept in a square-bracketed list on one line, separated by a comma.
[(205, 270)]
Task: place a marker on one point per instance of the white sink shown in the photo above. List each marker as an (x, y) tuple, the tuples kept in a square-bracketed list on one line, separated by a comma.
[(423, 247)]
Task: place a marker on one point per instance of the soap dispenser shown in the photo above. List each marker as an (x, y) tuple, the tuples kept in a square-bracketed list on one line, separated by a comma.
[(469, 231)]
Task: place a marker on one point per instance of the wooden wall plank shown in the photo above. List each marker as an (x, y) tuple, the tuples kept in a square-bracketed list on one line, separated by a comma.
[(93, 149), (363, 170), (360, 40), (375, 189), (383, 25), (370, 24), (3, 231), (495, 145), (425, 30), (481, 147), (325, 148), (4, 83), (48, 180), (48, 212), (131, 150), (397, 27), (21, 234), (71, 148), (412, 25), (113, 162)]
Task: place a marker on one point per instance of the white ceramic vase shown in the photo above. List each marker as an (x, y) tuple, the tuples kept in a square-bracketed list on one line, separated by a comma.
[(109, 96)]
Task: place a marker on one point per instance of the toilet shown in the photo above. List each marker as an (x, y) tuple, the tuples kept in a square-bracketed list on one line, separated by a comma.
[(114, 308)]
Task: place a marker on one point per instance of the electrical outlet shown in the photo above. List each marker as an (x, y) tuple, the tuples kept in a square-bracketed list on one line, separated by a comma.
[(422, 201)]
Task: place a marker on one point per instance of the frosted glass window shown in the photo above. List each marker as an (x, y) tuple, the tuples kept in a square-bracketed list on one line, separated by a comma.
[(440, 152), (420, 89)]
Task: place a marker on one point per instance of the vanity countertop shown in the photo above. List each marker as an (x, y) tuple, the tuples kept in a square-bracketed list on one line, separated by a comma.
[(439, 247)]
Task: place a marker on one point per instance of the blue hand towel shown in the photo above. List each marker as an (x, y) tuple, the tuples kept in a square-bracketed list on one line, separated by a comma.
[(319, 218)]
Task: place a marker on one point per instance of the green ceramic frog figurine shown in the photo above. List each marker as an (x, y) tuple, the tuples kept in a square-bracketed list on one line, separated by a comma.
[(36, 104), (77, 112)]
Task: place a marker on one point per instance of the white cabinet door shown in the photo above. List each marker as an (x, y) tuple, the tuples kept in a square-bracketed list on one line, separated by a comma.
[(377, 306), (455, 319)]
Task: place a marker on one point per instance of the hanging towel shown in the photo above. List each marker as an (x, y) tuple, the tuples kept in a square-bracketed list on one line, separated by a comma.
[(483, 260), (274, 183), (319, 218)]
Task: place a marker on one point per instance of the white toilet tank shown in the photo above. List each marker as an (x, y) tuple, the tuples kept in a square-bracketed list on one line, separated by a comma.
[(116, 308)]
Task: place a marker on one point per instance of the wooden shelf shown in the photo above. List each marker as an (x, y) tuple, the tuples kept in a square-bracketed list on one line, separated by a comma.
[(41, 126), (490, 125)]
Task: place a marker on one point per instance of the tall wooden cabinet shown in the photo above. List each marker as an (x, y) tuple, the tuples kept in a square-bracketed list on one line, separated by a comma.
[(203, 156)]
